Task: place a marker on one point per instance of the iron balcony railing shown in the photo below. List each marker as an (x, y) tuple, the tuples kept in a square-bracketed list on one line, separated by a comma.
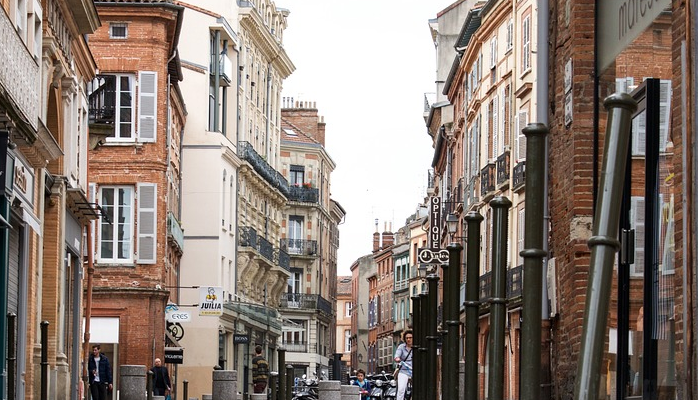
[(174, 230), (274, 177), (299, 247), (299, 347), (455, 198), (487, 179), (303, 194), (519, 175), (470, 196), (306, 302), (503, 164), (250, 238), (256, 312), (485, 284), (514, 281)]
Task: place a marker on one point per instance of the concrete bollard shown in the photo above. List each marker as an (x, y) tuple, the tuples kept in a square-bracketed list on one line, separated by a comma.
[(206, 397), (132, 383), (330, 390), (225, 385), (258, 396), (158, 397), (350, 392)]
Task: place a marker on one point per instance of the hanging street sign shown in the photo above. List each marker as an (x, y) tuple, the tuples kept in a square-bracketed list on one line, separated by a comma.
[(434, 238), (432, 256)]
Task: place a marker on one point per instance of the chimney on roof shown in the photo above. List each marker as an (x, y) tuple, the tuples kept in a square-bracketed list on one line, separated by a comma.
[(388, 236), (376, 239)]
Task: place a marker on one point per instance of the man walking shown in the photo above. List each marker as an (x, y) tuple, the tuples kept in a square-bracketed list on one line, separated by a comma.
[(260, 371), (161, 379), (100, 374)]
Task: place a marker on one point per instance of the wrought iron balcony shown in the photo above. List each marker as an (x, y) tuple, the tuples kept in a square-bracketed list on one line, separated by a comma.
[(503, 164), (455, 198), (485, 283), (303, 301), (519, 175), (303, 194), (275, 256), (174, 231), (514, 281), (256, 312), (259, 164), (299, 247), (299, 347), (470, 196), (487, 179)]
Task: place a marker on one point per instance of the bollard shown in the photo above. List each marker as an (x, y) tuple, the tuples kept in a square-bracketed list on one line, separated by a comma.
[(258, 396), (472, 304), (185, 383), (281, 367), (206, 397), (44, 360), (329, 390), (149, 385), (132, 383), (350, 392), (225, 385), (289, 382), (451, 322), (533, 254), (432, 335), (604, 244), (157, 397), (273, 382), (498, 296), (424, 349)]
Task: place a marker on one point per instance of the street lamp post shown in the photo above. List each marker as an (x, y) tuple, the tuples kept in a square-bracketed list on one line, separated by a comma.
[(417, 344), (472, 303)]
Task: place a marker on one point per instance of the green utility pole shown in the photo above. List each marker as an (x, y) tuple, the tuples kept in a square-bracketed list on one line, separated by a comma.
[(604, 244), (472, 303), (498, 298), (533, 254), (451, 313)]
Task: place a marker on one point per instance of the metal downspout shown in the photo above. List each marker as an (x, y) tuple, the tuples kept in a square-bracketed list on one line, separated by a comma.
[(694, 206), (542, 107), (684, 211)]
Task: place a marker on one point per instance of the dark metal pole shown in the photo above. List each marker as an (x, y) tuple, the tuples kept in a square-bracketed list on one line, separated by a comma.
[(498, 297), (432, 335), (424, 348), (186, 389), (289, 382), (273, 382), (604, 243), (472, 303), (337, 366), (282, 373), (11, 355), (451, 287), (533, 254), (417, 344), (44, 360), (149, 385)]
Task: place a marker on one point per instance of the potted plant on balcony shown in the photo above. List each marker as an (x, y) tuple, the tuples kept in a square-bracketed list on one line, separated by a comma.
[(307, 185)]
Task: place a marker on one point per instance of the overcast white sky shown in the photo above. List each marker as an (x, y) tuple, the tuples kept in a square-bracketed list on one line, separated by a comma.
[(367, 65)]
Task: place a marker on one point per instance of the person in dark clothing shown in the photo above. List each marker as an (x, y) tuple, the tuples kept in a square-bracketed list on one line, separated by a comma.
[(260, 371), (161, 379), (100, 374)]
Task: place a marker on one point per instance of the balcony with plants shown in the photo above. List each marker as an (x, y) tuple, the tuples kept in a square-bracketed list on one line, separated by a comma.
[(308, 302), (299, 247), (303, 193)]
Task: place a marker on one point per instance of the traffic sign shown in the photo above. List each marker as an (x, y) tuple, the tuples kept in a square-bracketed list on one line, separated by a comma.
[(432, 256)]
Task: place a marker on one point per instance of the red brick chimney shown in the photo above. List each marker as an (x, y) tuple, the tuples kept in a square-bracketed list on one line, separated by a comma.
[(388, 236), (376, 239), (304, 116)]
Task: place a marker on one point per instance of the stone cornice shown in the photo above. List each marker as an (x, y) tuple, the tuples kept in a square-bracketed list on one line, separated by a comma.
[(259, 35)]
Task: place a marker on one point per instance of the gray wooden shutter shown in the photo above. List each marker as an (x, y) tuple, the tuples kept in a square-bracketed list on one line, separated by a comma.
[(147, 106), (147, 217)]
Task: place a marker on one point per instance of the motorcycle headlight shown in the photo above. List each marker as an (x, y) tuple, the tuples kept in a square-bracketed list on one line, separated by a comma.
[(308, 382), (393, 382), (379, 383)]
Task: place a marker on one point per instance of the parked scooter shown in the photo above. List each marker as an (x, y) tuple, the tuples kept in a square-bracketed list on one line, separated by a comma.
[(305, 388)]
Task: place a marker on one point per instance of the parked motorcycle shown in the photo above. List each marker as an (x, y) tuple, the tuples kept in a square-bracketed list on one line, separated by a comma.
[(305, 388)]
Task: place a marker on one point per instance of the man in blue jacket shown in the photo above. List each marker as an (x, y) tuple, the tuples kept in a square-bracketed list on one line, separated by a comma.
[(100, 374)]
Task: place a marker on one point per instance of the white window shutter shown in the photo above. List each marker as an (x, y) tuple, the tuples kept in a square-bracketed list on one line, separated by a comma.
[(637, 221), (495, 127), (522, 121), (639, 135), (486, 131), (147, 106), (664, 112), (521, 233), (147, 217)]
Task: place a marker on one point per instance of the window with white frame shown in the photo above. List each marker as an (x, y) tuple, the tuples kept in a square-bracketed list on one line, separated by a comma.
[(297, 176), (347, 308), (637, 222), (118, 30), (113, 99), (347, 341), (639, 132), (295, 234), (493, 60), (117, 228), (510, 34), (526, 44), (294, 282), (520, 232), (522, 121)]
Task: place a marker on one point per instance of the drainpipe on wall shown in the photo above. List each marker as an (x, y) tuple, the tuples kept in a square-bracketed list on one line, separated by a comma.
[(88, 306), (4, 263)]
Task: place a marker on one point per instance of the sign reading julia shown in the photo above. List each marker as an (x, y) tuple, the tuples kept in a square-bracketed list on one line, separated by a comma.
[(210, 301)]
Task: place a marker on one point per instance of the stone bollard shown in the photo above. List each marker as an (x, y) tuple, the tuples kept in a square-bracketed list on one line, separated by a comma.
[(225, 385), (329, 390), (132, 383), (158, 397), (350, 392), (258, 396), (206, 397)]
